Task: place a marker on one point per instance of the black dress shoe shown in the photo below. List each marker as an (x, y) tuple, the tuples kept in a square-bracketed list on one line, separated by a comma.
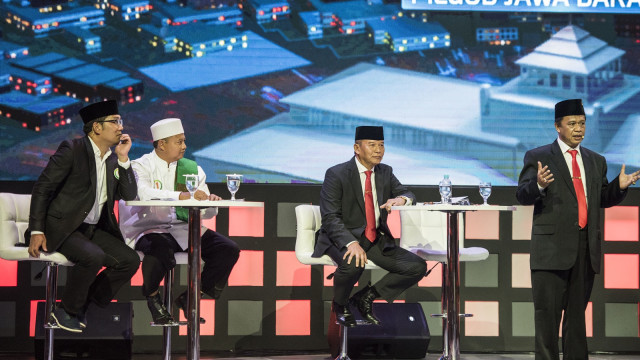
[(363, 300), (66, 321), (343, 314), (158, 311), (181, 302)]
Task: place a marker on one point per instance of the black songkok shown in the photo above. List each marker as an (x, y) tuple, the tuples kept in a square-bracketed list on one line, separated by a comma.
[(98, 110), (369, 133), (569, 107)]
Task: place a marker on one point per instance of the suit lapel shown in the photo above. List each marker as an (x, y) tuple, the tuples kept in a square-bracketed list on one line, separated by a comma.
[(91, 162), (558, 159), (354, 178), (110, 167), (589, 169), (379, 187)]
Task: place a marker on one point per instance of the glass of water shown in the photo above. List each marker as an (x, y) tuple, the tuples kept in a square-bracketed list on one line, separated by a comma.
[(191, 182), (233, 184), (485, 191)]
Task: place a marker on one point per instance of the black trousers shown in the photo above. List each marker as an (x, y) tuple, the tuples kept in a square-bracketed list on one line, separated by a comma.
[(404, 270), (555, 291), (218, 252), (92, 248)]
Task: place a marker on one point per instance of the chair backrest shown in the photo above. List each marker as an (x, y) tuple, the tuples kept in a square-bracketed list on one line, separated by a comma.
[(427, 230), (14, 221), (308, 221)]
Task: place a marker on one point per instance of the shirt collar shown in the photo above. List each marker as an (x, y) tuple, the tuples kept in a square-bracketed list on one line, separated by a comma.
[(564, 147), (96, 150), (162, 161), (361, 167)]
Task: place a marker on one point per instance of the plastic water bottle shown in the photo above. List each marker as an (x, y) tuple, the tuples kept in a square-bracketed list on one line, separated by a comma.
[(445, 190)]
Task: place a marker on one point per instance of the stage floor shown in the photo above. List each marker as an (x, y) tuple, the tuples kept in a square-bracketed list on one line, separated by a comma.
[(225, 356)]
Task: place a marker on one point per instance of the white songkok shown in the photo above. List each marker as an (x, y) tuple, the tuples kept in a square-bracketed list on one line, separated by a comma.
[(167, 127)]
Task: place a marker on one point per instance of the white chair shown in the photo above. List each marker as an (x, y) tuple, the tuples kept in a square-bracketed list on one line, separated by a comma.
[(182, 258), (14, 220), (424, 233), (308, 222)]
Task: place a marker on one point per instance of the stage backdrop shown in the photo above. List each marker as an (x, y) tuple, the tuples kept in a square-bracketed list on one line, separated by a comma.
[(275, 303), (275, 91)]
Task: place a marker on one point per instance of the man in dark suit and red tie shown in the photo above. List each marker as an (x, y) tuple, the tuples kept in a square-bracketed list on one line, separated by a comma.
[(567, 184), (72, 212), (355, 200)]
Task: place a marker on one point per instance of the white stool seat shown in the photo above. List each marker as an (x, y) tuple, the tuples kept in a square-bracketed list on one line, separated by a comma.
[(466, 254)]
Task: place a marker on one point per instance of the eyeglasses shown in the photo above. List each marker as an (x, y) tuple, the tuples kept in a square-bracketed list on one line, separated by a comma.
[(117, 122)]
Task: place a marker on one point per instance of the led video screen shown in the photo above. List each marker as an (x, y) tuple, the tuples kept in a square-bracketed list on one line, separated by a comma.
[(273, 89)]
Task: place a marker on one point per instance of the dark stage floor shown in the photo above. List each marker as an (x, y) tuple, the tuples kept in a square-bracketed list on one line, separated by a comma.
[(327, 357)]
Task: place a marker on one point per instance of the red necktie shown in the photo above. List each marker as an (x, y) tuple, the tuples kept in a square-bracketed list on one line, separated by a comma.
[(577, 184), (370, 212)]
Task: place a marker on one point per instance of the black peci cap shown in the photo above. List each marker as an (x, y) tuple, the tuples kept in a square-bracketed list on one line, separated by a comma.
[(569, 107), (369, 133), (98, 110)]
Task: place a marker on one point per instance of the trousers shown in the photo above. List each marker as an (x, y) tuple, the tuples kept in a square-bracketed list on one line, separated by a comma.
[(91, 248), (218, 252)]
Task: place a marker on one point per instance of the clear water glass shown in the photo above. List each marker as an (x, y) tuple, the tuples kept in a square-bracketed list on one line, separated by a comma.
[(485, 191), (191, 182), (233, 184)]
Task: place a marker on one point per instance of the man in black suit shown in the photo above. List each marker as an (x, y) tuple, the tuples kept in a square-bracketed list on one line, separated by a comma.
[(567, 184), (72, 212), (355, 200)]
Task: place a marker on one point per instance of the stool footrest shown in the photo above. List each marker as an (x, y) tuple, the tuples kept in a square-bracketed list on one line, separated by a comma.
[(174, 323), (358, 323), (439, 315), (466, 315)]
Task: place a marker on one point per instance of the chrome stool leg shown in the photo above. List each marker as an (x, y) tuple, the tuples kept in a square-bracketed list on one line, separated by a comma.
[(168, 303), (343, 346), (443, 314), (50, 302)]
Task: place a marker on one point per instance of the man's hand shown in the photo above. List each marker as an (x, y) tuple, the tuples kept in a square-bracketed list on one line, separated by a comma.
[(355, 250), (122, 149), (545, 177), (214, 197), (627, 180), (200, 195), (398, 201), (37, 242)]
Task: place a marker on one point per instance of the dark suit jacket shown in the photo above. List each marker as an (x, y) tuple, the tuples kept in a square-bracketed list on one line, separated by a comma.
[(554, 236), (65, 192), (342, 205)]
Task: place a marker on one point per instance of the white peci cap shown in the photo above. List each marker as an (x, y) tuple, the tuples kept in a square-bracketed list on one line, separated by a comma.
[(167, 127)]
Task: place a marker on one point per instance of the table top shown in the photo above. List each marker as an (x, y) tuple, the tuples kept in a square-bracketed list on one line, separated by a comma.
[(196, 203), (450, 207)]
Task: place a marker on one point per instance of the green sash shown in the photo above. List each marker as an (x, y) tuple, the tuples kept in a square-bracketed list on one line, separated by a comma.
[(184, 167)]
